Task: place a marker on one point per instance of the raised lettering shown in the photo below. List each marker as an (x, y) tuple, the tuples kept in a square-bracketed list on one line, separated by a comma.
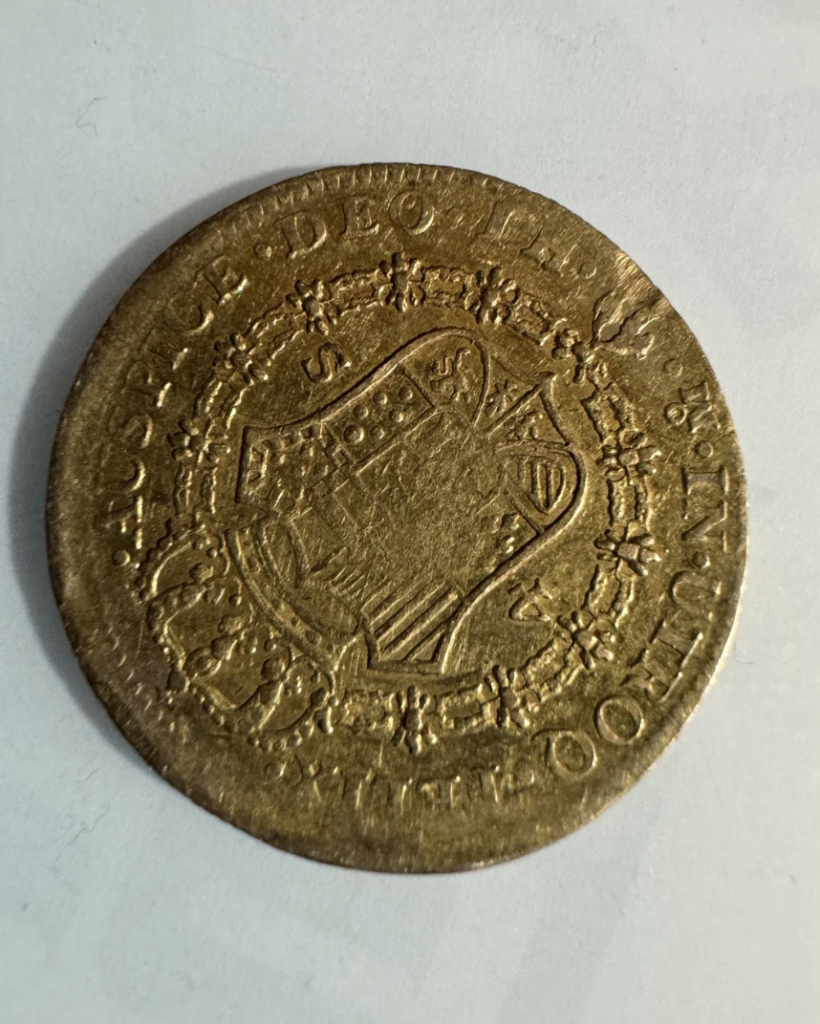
[(225, 281), (127, 519), (571, 754), (688, 589), (499, 218), (137, 428), (706, 524), (659, 667), (325, 364), (694, 408), (651, 680), (303, 232), (360, 216), (412, 211), (551, 254), (619, 720), (202, 316), (140, 378), (711, 516), (718, 478), (124, 472)]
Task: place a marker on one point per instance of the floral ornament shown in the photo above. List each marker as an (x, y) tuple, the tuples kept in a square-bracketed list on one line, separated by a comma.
[(192, 446), (314, 301), (325, 707), (569, 345), (192, 440), (516, 699), (301, 675), (248, 643), (565, 343), (619, 549), (496, 298), (630, 456), (196, 442), (236, 357), (322, 715), (414, 719), (188, 447), (415, 729), (404, 276), (590, 637)]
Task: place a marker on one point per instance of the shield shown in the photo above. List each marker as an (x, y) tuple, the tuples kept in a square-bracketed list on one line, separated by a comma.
[(391, 512)]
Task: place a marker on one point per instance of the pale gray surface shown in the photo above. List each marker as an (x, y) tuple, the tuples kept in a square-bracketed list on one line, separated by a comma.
[(687, 132)]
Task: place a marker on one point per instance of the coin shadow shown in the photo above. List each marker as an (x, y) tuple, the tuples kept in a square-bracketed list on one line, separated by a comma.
[(31, 450)]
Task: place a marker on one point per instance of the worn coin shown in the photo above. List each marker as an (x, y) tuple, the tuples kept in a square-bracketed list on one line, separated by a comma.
[(397, 518)]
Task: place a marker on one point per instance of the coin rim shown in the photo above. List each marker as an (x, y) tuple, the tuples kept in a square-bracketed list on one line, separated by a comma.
[(140, 738)]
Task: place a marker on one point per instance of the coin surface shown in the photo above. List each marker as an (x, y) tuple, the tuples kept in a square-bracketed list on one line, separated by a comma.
[(397, 518)]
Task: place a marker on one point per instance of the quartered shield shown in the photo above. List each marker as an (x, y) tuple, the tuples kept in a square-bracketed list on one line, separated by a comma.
[(390, 513)]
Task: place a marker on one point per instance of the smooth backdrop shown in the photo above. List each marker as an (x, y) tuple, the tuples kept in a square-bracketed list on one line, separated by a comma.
[(689, 132)]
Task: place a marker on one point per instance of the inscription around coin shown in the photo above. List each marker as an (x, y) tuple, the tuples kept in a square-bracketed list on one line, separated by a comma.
[(416, 514)]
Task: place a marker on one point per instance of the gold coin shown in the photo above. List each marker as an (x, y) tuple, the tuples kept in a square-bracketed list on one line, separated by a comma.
[(397, 518)]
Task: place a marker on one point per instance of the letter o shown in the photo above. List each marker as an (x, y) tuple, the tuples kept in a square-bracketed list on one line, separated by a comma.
[(619, 720), (412, 211), (571, 755)]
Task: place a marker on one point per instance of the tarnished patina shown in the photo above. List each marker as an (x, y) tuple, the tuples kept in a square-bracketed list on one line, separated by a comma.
[(397, 518)]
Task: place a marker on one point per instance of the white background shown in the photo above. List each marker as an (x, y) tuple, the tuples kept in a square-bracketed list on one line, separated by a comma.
[(689, 132)]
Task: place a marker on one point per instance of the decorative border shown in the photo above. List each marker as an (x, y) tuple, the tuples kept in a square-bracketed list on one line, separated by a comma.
[(506, 697)]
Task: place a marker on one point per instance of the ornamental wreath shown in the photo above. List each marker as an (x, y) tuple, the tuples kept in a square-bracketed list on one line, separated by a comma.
[(413, 717)]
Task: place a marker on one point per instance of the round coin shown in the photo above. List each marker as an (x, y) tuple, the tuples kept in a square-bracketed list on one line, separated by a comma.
[(397, 518)]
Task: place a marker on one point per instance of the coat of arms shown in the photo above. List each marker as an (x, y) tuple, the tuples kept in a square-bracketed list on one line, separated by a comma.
[(392, 511)]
